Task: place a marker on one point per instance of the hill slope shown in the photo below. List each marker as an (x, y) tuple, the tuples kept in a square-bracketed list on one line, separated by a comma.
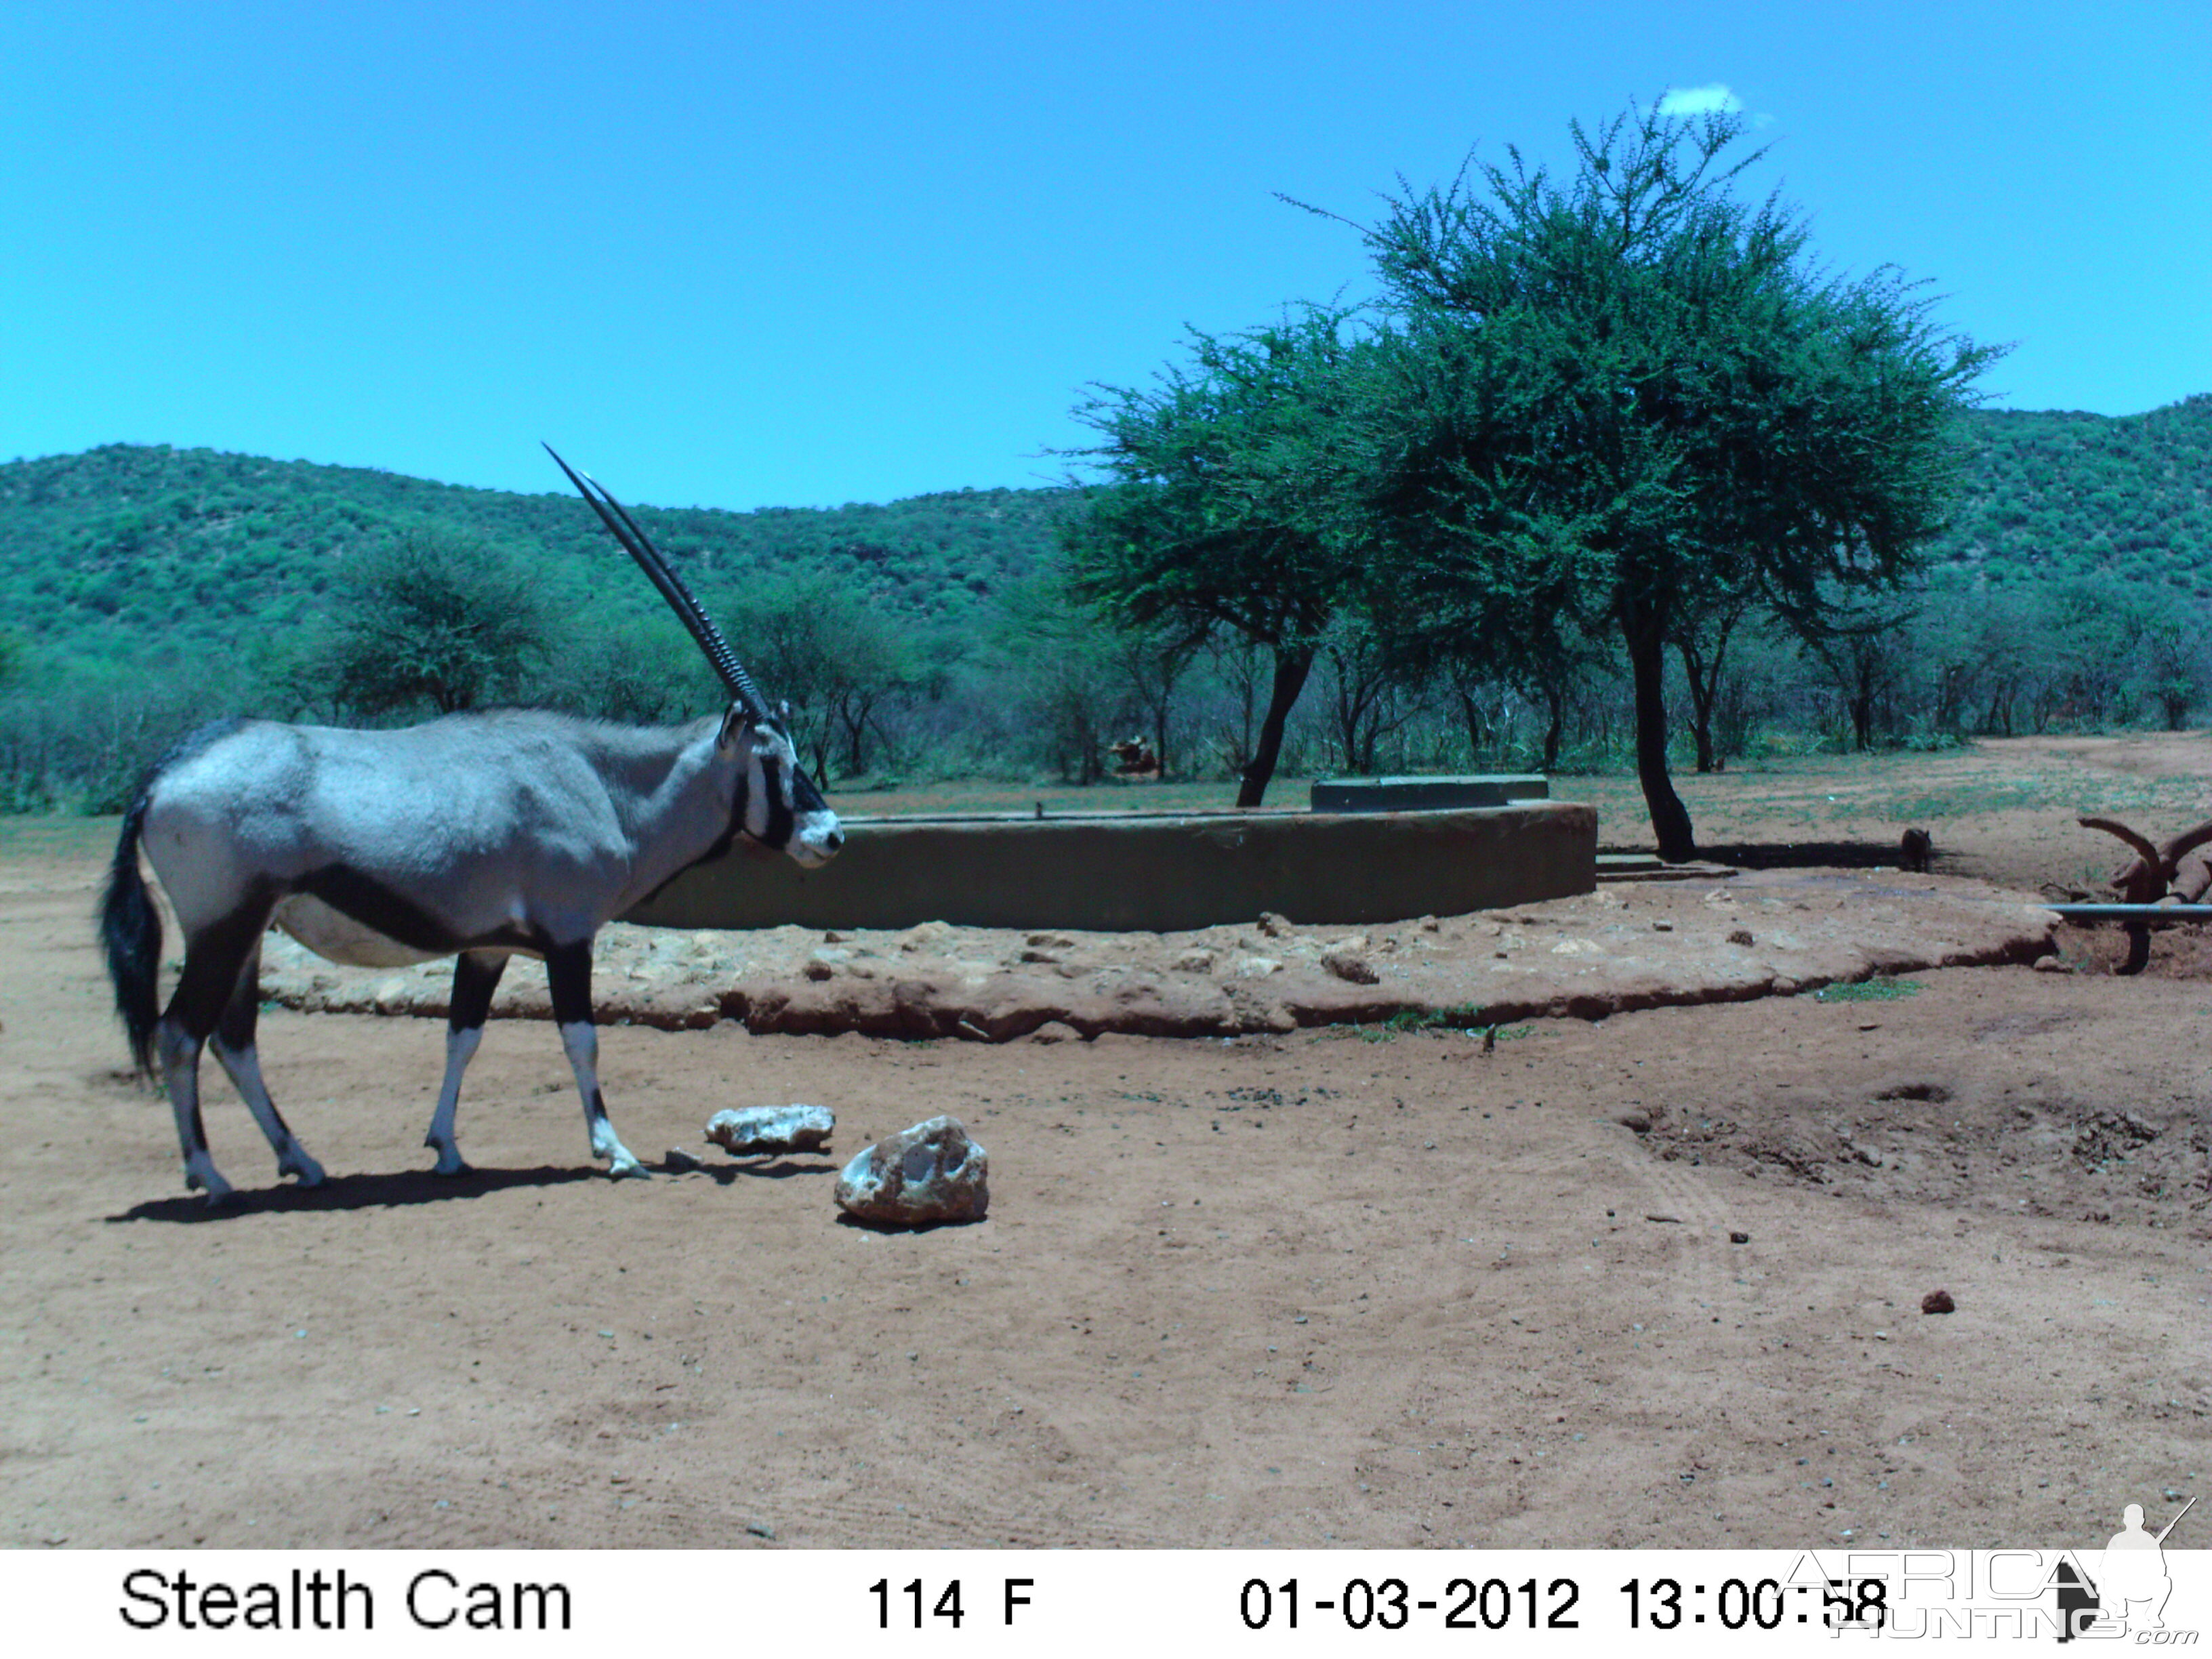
[(124, 551), (2052, 495), (105, 553)]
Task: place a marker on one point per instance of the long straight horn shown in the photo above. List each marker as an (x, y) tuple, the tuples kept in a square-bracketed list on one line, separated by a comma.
[(624, 529)]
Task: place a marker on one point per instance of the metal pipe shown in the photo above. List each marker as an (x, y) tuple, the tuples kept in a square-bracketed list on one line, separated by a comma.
[(2132, 912)]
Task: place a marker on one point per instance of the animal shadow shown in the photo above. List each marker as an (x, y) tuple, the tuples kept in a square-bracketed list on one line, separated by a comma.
[(771, 1168), (353, 1192)]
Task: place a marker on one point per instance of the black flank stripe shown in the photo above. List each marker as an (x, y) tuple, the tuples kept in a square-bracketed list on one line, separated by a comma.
[(373, 904)]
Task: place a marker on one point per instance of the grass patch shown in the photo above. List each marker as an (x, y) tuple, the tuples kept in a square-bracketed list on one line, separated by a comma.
[(57, 837), (1466, 1019), (1880, 988)]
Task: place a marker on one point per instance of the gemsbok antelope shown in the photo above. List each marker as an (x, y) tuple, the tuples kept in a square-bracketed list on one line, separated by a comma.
[(477, 835)]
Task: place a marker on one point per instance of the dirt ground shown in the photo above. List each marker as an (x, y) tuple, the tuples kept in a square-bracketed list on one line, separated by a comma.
[(1651, 1279)]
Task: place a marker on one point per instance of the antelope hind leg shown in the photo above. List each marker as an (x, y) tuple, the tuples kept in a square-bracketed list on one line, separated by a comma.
[(215, 960), (240, 1056)]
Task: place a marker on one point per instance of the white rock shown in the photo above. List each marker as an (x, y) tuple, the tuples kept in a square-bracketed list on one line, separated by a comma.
[(773, 1129), (931, 1172)]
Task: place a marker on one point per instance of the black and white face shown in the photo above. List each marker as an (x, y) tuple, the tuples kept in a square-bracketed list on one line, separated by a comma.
[(782, 808)]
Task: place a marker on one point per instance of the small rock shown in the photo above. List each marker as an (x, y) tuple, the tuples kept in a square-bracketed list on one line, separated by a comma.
[(1274, 926), (1256, 967), (1055, 1031), (1034, 954), (1195, 962), (760, 1530), (817, 969), (1349, 965), (1936, 1302), (773, 1129), (1739, 1238), (1431, 924), (1662, 927), (677, 1158), (1049, 942), (1740, 936), (2051, 965), (931, 1172), (925, 936)]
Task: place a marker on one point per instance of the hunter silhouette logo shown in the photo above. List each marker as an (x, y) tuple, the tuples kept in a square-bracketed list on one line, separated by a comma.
[(2131, 1584)]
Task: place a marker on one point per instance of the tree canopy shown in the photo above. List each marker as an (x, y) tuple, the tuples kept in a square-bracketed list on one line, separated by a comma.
[(431, 619), (1232, 506), (831, 654), (1630, 398)]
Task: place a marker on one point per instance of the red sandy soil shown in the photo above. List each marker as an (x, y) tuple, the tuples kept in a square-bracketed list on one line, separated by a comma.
[(1308, 1287)]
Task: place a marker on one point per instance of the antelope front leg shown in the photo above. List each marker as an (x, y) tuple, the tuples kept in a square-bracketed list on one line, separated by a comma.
[(569, 970)]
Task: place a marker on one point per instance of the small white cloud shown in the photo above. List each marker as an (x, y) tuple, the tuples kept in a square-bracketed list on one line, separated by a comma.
[(1714, 100)]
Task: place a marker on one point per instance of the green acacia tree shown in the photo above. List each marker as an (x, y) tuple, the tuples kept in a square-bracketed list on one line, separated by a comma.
[(1232, 506), (836, 656), (434, 618), (1631, 392)]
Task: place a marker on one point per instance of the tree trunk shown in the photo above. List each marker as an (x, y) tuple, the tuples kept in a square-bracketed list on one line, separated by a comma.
[(1291, 668), (1646, 638), (1704, 686), (1477, 728), (853, 712)]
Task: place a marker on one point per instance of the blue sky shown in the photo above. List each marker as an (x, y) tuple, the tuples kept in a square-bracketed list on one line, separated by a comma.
[(746, 256)]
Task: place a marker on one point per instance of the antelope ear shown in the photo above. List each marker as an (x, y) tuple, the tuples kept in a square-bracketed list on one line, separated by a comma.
[(735, 725)]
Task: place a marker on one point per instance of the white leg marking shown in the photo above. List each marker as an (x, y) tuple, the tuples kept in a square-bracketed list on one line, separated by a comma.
[(244, 1066), (461, 1049), (581, 1040)]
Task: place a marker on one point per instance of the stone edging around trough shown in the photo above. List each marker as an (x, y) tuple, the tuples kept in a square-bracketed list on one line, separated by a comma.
[(1595, 954)]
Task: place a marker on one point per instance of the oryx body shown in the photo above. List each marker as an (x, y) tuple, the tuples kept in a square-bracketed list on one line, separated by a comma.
[(478, 836)]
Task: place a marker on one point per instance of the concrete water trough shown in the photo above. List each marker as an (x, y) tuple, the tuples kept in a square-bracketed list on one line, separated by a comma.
[(1154, 871)]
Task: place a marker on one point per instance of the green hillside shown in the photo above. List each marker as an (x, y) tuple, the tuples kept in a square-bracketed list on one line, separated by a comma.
[(125, 550), (2052, 495)]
